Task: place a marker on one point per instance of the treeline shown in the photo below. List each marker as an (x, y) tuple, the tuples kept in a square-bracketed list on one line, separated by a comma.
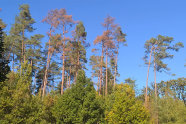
[(47, 84)]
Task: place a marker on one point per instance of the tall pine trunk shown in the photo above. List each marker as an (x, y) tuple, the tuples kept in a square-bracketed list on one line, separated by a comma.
[(34, 82), (63, 61), (115, 68), (98, 84), (155, 87), (46, 69), (78, 61), (69, 77), (146, 98), (46, 74), (63, 72), (106, 73), (13, 62), (101, 67), (22, 47)]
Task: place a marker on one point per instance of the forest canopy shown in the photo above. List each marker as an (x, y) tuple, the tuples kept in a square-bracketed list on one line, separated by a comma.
[(47, 82)]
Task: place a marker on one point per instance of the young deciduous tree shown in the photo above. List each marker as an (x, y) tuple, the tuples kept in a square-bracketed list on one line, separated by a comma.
[(175, 88), (16, 103), (125, 108), (171, 111)]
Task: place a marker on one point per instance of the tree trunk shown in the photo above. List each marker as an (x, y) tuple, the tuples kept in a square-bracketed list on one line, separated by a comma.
[(106, 74), (115, 68), (13, 62), (98, 84), (78, 61), (47, 66), (63, 57), (46, 74), (67, 80), (69, 77), (31, 63), (34, 82), (155, 79), (155, 86), (147, 79), (63, 73), (101, 67), (10, 53), (22, 49)]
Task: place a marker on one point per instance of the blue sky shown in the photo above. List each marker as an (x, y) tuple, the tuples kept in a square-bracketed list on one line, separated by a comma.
[(139, 19)]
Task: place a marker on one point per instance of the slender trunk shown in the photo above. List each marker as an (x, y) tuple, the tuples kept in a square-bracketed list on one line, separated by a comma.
[(70, 76), (22, 51), (155, 86), (41, 88), (147, 79), (34, 82), (69, 83), (47, 66), (78, 61), (67, 80), (63, 61), (63, 73), (97, 84), (13, 62), (155, 78), (115, 68), (101, 67), (75, 77), (23, 47), (106, 74), (24, 54), (31, 63), (9, 53), (46, 74)]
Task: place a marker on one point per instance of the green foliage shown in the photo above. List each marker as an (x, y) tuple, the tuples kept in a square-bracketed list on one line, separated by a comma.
[(175, 88), (161, 47), (24, 21), (130, 82), (18, 45), (80, 32), (20, 90), (16, 103), (4, 68), (45, 109), (110, 78), (171, 111), (125, 108), (79, 103)]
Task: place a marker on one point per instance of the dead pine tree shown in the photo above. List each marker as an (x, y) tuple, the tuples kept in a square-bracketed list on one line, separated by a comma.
[(65, 23), (50, 19), (107, 45)]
